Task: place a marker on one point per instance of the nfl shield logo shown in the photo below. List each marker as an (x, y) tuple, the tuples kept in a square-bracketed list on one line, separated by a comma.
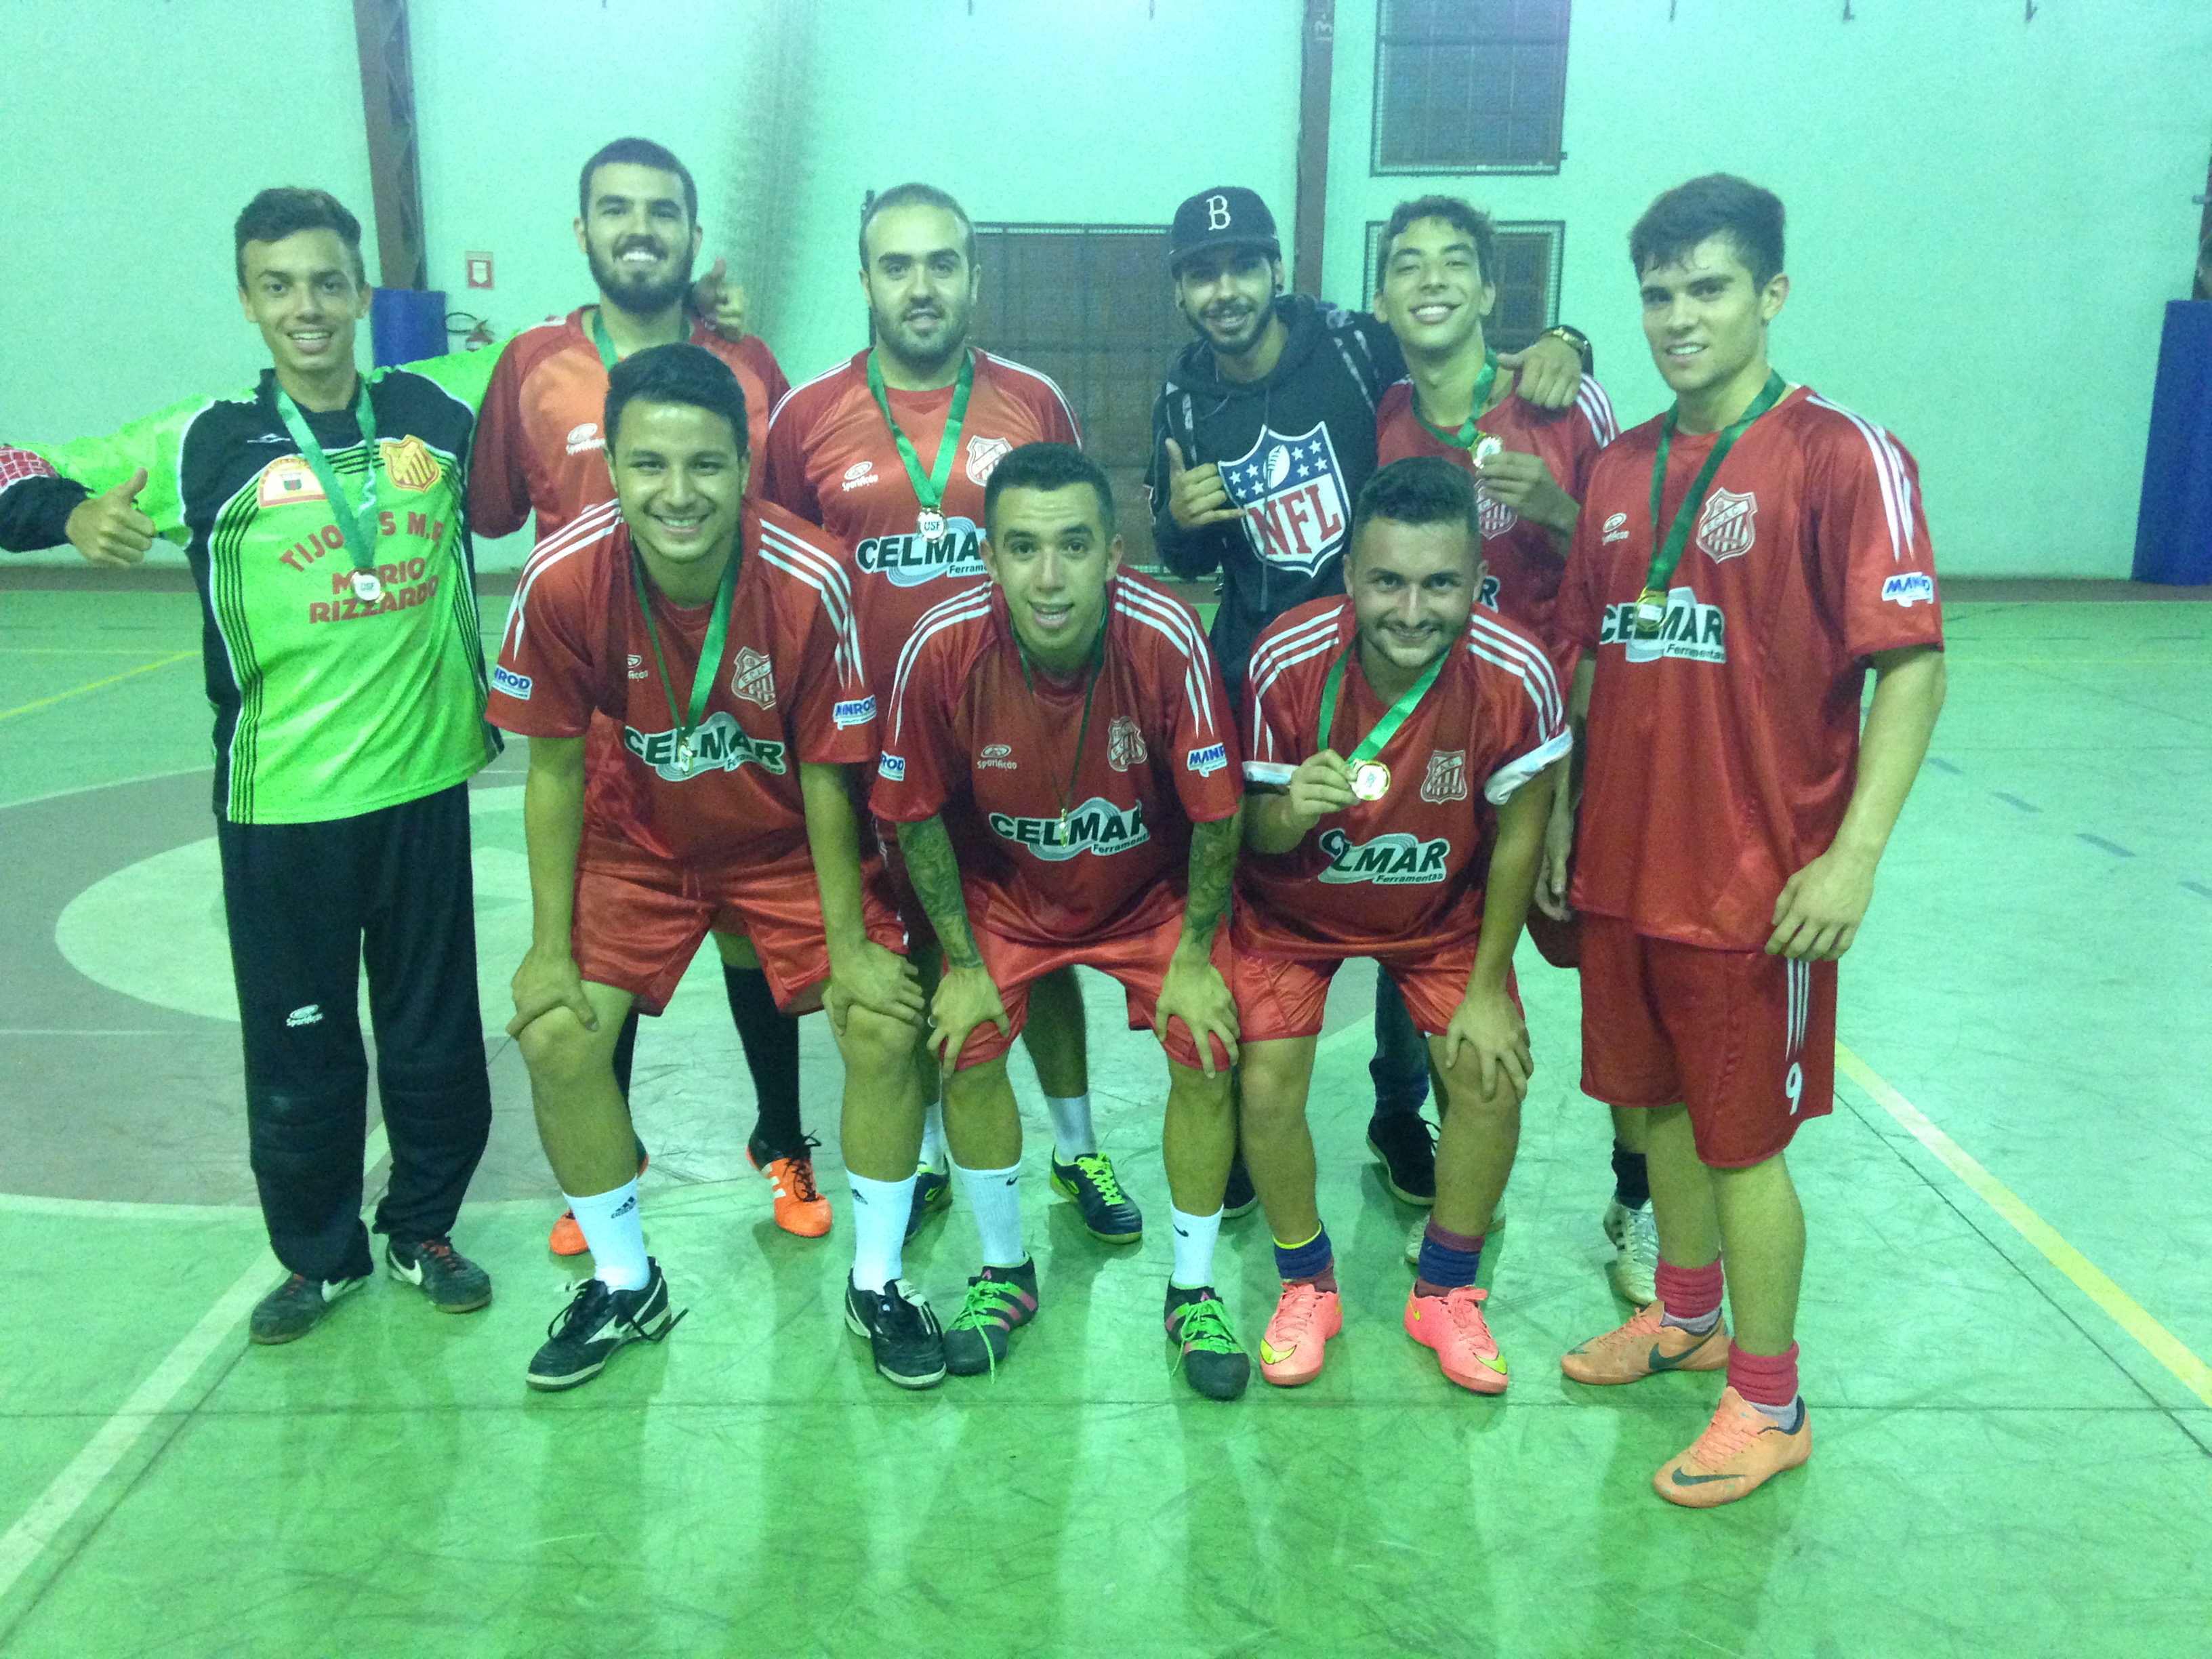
[(753, 678), (1125, 744), (1297, 512), (1447, 778), (1725, 530), (983, 454)]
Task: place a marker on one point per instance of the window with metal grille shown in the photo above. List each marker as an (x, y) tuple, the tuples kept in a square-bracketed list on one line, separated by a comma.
[(1469, 86), (1528, 275)]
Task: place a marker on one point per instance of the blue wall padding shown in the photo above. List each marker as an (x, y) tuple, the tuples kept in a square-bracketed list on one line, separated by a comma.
[(2173, 528), (407, 324)]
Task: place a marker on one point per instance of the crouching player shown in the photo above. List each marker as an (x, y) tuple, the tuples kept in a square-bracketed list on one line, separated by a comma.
[(1059, 760), (718, 634), (1410, 730)]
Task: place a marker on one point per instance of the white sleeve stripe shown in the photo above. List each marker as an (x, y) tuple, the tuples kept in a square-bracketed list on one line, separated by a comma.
[(961, 608), (826, 374), (1291, 639), (836, 587), (587, 525), (1597, 409), (1174, 626), (1509, 778), (1889, 470), (586, 528), (1280, 664), (849, 641), (1509, 650)]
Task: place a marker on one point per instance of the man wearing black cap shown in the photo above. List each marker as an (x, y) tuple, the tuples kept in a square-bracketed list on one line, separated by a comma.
[(1261, 438)]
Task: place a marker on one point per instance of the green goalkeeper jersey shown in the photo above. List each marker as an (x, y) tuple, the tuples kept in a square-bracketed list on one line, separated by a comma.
[(326, 705)]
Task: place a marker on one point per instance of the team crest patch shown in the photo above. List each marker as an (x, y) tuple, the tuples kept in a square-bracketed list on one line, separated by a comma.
[(1447, 778), (1497, 517), (1125, 744), (1725, 528), (287, 478), (410, 464), (753, 677), (983, 457), (1294, 490)]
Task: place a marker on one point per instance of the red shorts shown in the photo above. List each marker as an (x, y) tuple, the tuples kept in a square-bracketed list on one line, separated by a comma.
[(1279, 997), (640, 919), (1746, 1041), (1139, 961)]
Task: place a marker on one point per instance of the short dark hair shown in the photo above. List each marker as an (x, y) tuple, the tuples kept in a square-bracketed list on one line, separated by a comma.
[(1048, 466), (1419, 489), (1717, 204), (1459, 215), (899, 196), (284, 211), (677, 374), (639, 152)]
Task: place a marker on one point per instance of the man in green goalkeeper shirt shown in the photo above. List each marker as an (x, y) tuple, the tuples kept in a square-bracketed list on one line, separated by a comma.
[(322, 513)]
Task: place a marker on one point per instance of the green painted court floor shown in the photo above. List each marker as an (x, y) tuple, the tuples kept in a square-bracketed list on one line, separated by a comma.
[(2003, 1465)]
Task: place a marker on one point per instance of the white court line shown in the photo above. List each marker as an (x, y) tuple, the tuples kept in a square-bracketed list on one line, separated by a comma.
[(53, 1509)]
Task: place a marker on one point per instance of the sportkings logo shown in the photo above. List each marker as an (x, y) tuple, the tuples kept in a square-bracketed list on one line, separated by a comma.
[(1693, 632), (1725, 528), (1447, 778), (1097, 826), (1392, 860), (997, 757), (858, 471), (637, 669), (909, 561), (1616, 528), (1293, 489), (410, 464), (584, 437), (752, 677), (720, 745), (983, 456), (1209, 760), (515, 685), (1908, 588), (1125, 744)]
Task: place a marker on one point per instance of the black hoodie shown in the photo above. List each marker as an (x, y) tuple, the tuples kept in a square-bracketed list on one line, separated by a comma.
[(1296, 446)]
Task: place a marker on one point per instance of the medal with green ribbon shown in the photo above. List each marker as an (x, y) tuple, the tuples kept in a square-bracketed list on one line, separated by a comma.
[(1651, 604), (928, 487), (1483, 445), (1097, 664), (1371, 778), (356, 524), (710, 654)]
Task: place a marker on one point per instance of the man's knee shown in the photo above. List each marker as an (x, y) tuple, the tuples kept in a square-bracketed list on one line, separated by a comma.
[(975, 1085), (560, 1051), (877, 1046)]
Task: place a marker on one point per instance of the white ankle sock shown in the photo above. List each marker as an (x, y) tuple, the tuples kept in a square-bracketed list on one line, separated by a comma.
[(933, 1136), (880, 1209), (614, 1231), (1194, 1249), (1072, 1137), (995, 1197)]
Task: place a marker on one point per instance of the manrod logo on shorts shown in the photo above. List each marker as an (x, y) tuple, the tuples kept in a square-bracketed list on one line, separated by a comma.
[(855, 711), (719, 744), (1098, 826), (1393, 860), (911, 560), (515, 685), (1692, 631), (1908, 588), (1209, 760)]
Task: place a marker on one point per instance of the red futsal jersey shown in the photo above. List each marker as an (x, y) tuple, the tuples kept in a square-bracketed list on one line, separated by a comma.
[(831, 460), (1524, 563), (790, 689), (964, 735), (539, 445), (1403, 874), (1722, 753)]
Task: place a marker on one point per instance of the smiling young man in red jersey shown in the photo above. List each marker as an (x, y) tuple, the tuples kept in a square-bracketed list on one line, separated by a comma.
[(1532, 463), (1740, 564), (890, 451), (539, 450), (1059, 760), (1412, 734), (740, 742)]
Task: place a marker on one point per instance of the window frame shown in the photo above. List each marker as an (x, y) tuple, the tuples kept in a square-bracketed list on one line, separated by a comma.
[(1379, 167)]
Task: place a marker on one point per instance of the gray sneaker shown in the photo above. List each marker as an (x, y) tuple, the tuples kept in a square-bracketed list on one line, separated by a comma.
[(296, 1307), (452, 1282)]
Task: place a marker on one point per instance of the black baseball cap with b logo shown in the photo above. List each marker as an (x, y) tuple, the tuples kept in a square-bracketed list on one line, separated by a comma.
[(1228, 215)]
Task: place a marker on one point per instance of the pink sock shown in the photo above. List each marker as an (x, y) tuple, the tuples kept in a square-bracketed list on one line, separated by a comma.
[(1763, 1379), (1688, 1293)]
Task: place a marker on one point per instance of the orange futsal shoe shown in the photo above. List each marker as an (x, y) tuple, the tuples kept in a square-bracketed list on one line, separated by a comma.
[(799, 1207), (1291, 1348), (1740, 1450), (567, 1237), (1454, 1326), (1643, 1345)]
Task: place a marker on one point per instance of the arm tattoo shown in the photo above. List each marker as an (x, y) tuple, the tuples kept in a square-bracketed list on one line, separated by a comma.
[(1212, 866), (934, 870)]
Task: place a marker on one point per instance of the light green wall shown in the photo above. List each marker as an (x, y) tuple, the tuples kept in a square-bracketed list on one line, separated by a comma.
[(1986, 218)]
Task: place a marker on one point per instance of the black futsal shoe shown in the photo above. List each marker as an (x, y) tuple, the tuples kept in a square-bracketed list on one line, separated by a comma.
[(599, 1320), (296, 1307), (452, 1282), (904, 1338), (1211, 1357), (1238, 1198), (1404, 1145)]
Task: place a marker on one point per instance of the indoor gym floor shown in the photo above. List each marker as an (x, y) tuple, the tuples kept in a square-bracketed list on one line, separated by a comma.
[(2004, 1310)]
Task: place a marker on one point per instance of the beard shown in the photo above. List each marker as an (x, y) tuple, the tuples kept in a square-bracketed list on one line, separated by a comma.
[(1243, 341), (925, 354), (640, 293)]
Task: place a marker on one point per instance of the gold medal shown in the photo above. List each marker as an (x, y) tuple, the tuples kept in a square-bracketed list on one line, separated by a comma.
[(1371, 780), (1487, 445), (1650, 613)]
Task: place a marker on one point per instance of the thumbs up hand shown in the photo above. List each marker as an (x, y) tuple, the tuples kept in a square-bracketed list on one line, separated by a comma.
[(720, 302), (109, 529), (1196, 495)]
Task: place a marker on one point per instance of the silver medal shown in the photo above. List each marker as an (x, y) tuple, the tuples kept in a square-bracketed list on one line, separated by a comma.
[(1487, 445), (931, 523), (366, 586)]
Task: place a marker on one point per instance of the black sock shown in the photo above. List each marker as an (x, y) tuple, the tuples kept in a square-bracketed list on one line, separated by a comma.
[(625, 1052), (771, 1044), (1631, 1183)]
